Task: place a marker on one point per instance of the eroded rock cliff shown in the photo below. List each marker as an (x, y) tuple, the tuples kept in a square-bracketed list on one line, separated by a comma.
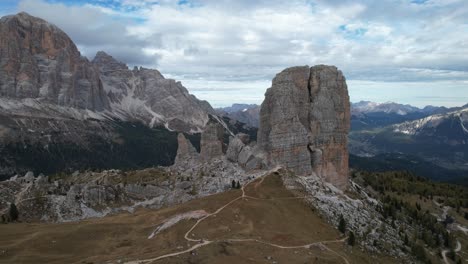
[(304, 122), (145, 94), (212, 145), (38, 60)]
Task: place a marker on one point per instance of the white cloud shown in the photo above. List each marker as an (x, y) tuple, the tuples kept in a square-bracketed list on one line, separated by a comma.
[(240, 44)]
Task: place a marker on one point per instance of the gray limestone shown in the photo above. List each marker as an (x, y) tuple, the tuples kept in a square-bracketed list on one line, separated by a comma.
[(304, 122)]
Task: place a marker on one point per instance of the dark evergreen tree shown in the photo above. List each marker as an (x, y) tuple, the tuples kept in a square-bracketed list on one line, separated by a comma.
[(13, 212), (342, 224), (233, 184), (238, 185), (351, 238)]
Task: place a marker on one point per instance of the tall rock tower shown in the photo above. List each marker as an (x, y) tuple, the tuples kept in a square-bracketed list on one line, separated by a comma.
[(304, 123)]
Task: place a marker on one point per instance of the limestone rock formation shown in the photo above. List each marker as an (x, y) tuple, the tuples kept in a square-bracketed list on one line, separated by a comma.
[(146, 95), (54, 101), (186, 152), (38, 60), (211, 144), (236, 144), (240, 150), (304, 122)]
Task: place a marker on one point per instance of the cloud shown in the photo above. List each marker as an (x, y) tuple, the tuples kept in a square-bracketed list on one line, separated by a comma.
[(234, 44), (438, 93)]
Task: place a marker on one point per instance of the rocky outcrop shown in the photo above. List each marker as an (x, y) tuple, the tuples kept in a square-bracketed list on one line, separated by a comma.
[(211, 144), (186, 152), (84, 195), (38, 60), (304, 122), (236, 145), (242, 151)]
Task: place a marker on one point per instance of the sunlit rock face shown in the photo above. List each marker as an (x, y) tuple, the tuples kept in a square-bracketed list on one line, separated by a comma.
[(304, 122), (38, 60)]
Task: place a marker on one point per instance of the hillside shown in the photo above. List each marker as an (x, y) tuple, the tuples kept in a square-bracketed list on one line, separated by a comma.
[(432, 217), (262, 222), (440, 139)]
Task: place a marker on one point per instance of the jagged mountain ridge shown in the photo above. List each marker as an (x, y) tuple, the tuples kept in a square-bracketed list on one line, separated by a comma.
[(145, 94), (390, 107), (39, 61), (437, 125), (59, 111)]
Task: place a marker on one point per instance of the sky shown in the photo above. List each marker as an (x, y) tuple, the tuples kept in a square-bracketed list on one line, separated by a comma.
[(406, 51)]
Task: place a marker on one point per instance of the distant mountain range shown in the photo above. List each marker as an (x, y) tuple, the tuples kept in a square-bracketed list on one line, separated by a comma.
[(245, 113), (441, 139), (368, 115), (397, 136), (364, 114), (390, 107)]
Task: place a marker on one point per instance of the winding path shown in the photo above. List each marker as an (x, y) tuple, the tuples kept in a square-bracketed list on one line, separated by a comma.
[(444, 252), (202, 242)]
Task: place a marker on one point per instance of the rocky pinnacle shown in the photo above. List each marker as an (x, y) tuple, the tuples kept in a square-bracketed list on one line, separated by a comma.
[(304, 122)]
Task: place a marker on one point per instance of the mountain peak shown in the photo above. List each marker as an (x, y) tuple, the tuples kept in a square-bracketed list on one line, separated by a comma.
[(108, 63), (26, 19), (24, 14), (102, 54)]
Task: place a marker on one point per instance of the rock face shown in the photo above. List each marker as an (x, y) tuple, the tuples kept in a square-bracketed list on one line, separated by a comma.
[(236, 145), (211, 144), (102, 114), (244, 152), (304, 122), (146, 95), (96, 194), (186, 152), (38, 60)]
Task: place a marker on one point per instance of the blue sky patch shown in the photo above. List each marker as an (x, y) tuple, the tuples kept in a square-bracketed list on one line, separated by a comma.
[(352, 33)]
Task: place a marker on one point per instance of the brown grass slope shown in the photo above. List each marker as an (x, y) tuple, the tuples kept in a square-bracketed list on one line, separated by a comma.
[(256, 228)]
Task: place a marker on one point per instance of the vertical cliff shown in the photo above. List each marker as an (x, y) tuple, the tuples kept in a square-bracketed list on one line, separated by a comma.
[(304, 122), (39, 61)]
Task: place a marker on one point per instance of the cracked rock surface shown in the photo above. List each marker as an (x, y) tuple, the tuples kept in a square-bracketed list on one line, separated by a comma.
[(304, 122)]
